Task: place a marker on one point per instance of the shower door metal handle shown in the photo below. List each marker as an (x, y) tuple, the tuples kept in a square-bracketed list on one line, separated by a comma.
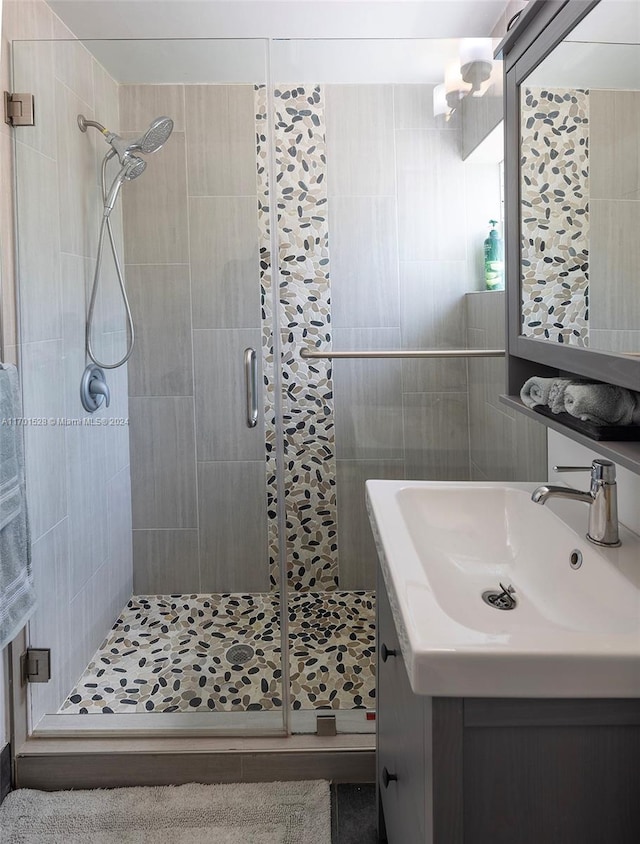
[(251, 386)]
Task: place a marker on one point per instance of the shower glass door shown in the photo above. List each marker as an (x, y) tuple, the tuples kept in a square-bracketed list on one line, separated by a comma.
[(380, 231), (153, 519)]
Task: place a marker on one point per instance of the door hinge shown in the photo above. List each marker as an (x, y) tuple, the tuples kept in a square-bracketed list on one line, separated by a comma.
[(326, 725), (35, 664), (18, 109)]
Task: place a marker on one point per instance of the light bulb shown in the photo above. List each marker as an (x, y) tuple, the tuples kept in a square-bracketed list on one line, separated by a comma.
[(440, 100)]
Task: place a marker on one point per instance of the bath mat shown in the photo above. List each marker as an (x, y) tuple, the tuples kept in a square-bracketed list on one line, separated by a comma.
[(239, 813)]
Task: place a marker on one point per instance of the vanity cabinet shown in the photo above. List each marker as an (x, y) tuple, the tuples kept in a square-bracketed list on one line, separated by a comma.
[(501, 771)]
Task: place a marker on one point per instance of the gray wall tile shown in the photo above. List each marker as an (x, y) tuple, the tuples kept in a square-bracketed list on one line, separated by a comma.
[(611, 340), (615, 257), (73, 504), (433, 317), (73, 68), (75, 272), (140, 104), (224, 262), (161, 363), (87, 502), (163, 476), (33, 71), (504, 445), (413, 107), (77, 176), (614, 145), (478, 117), (431, 201), (38, 221), (117, 435), (50, 625), (359, 137), (155, 209), (165, 562), (120, 560), (106, 92), (530, 455), (364, 262), (436, 436), (221, 140), (358, 556), (368, 397), (233, 527), (492, 443), (486, 311), (43, 397), (222, 433)]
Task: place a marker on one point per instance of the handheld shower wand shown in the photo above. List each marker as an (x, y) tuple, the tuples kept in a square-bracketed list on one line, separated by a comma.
[(131, 166)]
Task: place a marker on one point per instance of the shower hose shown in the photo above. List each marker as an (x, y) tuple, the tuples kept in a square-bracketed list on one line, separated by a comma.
[(105, 227)]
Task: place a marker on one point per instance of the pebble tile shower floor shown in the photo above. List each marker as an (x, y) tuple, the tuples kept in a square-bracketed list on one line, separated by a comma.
[(169, 653)]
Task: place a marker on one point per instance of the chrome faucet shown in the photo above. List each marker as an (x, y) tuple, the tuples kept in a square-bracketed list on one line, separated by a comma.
[(602, 500)]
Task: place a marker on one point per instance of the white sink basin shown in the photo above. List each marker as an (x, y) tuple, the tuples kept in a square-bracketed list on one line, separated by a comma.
[(573, 633)]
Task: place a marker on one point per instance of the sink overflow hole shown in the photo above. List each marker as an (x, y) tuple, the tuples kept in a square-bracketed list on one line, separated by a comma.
[(575, 559), (239, 654), (500, 600)]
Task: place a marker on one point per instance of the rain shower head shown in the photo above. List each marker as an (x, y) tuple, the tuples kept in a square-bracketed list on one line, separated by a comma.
[(153, 139)]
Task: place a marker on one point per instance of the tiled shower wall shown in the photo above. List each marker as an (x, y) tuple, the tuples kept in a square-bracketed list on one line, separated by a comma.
[(406, 220), (77, 476), (578, 285), (191, 250), (614, 208), (504, 445)]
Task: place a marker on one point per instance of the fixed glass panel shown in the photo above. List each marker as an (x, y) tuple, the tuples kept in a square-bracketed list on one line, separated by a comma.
[(383, 212), (150, 515)]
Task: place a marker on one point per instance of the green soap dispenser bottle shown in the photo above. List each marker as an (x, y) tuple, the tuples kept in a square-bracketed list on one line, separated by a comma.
[(493, 260)]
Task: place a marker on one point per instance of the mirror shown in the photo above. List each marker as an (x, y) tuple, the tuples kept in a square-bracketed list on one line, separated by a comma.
[(580, 186)]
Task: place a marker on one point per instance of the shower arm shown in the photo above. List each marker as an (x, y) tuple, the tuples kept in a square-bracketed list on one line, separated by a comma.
[(84, 124)]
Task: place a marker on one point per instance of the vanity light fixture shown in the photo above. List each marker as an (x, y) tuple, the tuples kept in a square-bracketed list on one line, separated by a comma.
[(476, 62), (465, 77)]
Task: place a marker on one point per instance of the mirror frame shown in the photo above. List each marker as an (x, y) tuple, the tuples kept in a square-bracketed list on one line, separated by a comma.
[(542, 26)]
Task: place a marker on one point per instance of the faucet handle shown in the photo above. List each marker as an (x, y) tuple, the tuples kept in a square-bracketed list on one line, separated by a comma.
[(572, 469), (601, 470)]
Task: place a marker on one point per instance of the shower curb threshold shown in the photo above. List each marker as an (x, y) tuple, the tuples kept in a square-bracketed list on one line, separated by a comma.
[(55, 763)]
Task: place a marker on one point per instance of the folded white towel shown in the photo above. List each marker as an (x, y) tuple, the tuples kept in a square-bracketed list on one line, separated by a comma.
[(603, 404), (535, 391), (549, 391), (557, 394)]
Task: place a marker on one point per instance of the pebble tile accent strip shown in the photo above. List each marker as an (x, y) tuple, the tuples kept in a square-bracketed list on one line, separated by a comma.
[(305, 321), (555, 215), (168, 653)]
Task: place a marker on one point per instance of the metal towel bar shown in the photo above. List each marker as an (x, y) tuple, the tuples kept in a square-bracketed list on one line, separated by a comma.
[(308, 354)]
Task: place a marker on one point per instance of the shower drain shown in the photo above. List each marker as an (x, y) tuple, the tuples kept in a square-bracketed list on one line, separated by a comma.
[(500, 600), (239, 654)]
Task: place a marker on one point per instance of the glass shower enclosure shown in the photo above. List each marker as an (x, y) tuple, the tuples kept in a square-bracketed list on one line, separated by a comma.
[(201, 547)]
